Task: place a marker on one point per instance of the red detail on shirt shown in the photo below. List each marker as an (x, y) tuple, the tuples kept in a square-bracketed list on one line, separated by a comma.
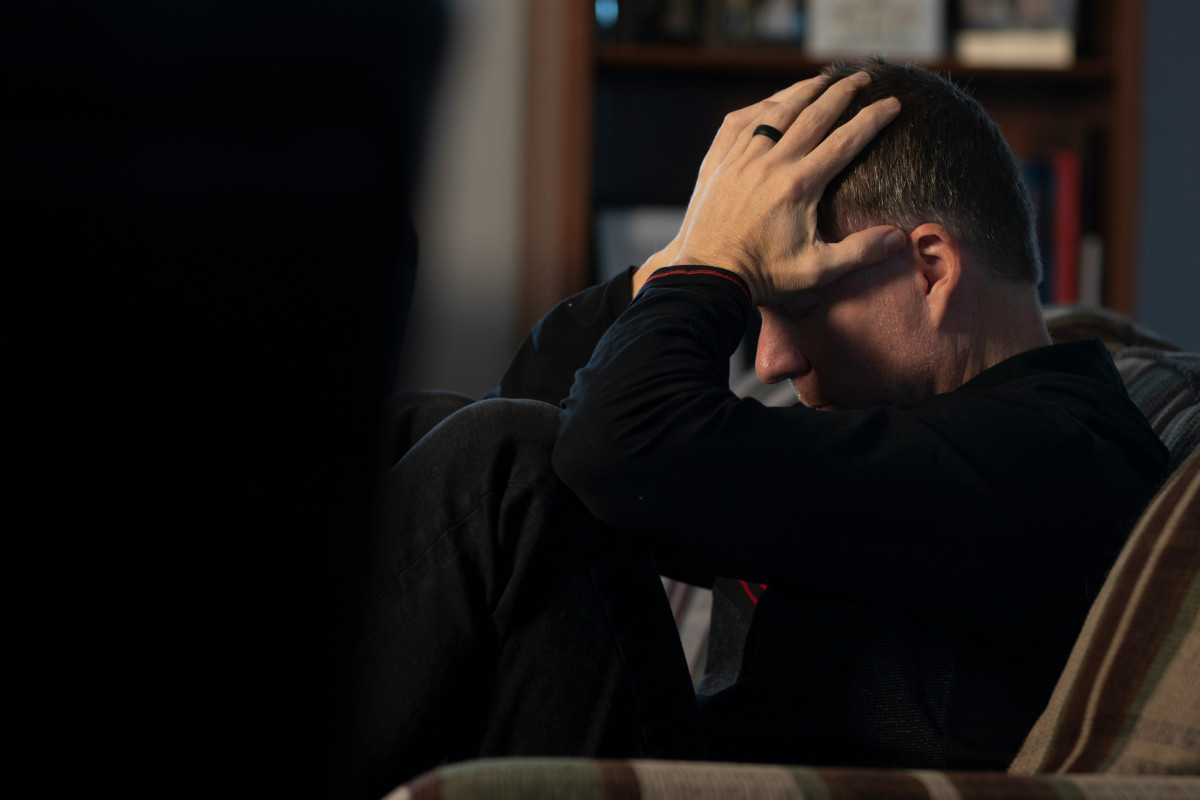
[(750, 592), (714, 273)]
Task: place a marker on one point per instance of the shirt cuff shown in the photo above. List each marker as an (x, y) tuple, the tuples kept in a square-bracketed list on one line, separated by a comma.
[(691, 275)]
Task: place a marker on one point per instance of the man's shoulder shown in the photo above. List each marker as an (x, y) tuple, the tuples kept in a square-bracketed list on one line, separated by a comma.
[(1066, 397), (1078, 379), (1087, 360)]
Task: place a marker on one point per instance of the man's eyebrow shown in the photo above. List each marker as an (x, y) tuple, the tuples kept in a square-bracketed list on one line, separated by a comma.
[(804, 303)]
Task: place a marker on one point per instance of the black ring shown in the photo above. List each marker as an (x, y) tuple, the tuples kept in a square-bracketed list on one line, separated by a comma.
[(774, 134)]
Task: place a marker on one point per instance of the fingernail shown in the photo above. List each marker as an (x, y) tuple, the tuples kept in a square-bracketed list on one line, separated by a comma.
[(860, 79), (891, 104), (894, 241)]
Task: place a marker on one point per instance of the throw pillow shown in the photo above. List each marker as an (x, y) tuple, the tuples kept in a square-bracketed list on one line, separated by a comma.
[(1129, 699)]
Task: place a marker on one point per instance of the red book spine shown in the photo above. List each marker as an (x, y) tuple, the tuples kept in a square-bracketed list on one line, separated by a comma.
[(1066, 225)]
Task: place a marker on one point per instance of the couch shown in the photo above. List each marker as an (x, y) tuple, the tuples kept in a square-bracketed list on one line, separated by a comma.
[(1123, 720)]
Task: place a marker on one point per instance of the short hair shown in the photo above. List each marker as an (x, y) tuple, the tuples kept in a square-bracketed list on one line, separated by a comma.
[(941, 160)]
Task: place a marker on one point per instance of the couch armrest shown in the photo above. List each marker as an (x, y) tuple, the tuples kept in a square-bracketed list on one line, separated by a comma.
[(546, 778)]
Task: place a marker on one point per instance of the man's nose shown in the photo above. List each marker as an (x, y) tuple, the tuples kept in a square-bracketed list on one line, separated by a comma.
[(779, 356)]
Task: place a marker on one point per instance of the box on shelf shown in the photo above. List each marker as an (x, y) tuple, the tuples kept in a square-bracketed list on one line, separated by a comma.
[(1033, 34), (898, 29)]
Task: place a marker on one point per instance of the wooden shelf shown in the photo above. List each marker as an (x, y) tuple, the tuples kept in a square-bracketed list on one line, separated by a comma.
[(780, 59), (575, 82)]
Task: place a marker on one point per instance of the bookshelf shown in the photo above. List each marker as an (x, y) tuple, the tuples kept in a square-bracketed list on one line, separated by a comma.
[(614, 123)]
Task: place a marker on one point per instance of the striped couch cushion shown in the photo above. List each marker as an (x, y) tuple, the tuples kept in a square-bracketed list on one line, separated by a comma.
[(1129, 698), (1068, 323), (582, 779), (1165, 385)]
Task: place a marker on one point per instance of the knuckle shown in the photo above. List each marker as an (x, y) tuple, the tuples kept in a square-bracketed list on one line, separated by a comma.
[(779, 117), (739, 117), (836, 144), (849, 85)]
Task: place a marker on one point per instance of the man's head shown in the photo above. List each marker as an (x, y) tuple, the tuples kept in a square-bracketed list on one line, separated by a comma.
[(942, 160), (960, 297)]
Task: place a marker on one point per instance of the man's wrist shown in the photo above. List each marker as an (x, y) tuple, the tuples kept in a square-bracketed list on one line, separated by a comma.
[(728, 265), (655, 262)]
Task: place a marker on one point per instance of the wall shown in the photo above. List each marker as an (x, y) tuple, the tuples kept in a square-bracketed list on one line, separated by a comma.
[(1169, 258), (469, 209)]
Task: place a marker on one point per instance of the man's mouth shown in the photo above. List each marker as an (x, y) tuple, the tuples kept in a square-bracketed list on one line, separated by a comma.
[(820, 406)]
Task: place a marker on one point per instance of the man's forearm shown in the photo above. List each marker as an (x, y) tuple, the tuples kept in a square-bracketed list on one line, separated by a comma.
[(661, 370)]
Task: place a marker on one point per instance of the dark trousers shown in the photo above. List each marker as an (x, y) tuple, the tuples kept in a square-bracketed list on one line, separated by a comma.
[(502, 618)]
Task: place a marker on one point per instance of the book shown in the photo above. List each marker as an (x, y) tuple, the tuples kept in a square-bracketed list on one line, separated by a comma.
[(1067, 168), (899, 29), (1016, 49), (1071, 249), (1016, 33), (1040, 183)]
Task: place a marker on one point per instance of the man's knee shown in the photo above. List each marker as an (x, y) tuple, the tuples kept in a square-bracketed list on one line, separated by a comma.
[(484, 444), (502, 432), (412, 413), (530, 419), (472, 484)]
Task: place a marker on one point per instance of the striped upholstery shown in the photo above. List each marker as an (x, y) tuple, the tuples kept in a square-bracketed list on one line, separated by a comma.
[(1072, 323), (1129, 699), (1166, 387), (583, 779)]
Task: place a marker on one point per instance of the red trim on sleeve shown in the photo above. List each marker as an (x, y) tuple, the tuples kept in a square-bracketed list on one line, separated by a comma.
[(662, 273)]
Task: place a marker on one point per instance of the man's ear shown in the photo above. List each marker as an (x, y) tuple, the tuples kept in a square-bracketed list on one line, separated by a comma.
[(940, 263)]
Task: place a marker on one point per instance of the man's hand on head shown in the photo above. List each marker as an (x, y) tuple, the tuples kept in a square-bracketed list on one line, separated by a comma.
[(734, 124), (754, 211)]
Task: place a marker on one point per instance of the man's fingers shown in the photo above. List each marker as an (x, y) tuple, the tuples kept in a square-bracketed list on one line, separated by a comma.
[(779, 111), (734, 134), (814, 116), (841, 146), (799, 86), (792, 102), (861, 249), (741, 122)]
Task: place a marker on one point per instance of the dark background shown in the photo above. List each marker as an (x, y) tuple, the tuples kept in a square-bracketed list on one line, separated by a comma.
[(207, 257)]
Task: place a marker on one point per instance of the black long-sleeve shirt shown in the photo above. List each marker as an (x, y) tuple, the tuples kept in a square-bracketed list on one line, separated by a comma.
[(929, 563)]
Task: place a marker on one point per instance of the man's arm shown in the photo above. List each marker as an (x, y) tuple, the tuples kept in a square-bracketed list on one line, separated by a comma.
[(904, 504), (561, 342)]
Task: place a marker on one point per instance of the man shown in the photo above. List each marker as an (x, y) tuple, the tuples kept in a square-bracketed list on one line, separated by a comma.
[(920, 523)]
